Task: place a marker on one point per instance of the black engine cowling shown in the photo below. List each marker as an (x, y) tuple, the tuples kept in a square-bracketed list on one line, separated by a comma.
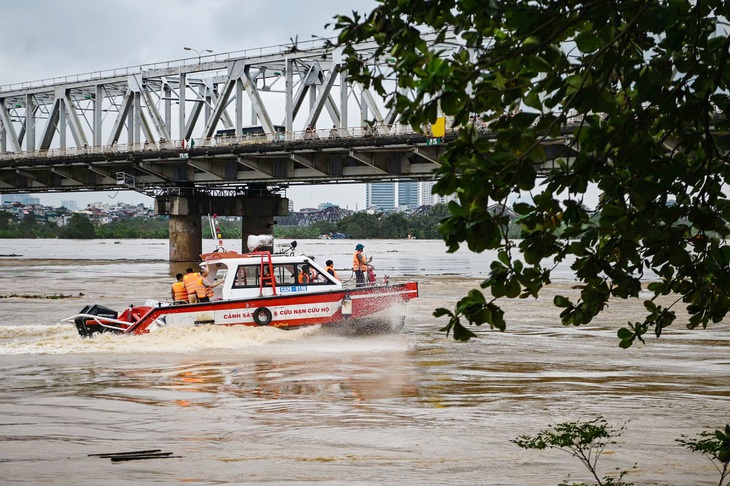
[(87, 326)]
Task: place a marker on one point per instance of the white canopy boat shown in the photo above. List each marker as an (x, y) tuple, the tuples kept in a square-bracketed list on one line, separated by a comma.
[(262, 289)]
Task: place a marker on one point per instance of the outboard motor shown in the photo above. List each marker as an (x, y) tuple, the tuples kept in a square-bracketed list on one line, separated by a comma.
[(88, 327)]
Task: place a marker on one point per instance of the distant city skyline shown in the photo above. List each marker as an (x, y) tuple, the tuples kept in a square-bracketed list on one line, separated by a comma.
[(347, 196)]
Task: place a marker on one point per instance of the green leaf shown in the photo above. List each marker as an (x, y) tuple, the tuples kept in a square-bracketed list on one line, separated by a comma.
[(561, 301), (588, 42), (624, 333), (532, 99), (440, 312), (522, 208), (461, 333), (503, 257), (513, 288)]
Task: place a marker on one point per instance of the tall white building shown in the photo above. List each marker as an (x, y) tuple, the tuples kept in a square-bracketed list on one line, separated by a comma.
[(387, 196), (408, 195), (69, 204), (428, 199), (380, 196), (20, 198)]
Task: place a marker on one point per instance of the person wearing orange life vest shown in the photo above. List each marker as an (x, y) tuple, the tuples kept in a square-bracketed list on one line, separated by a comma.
[(191, 285), (179, 292), (304, 277), (204, 287), (359, 265), (331, 269)]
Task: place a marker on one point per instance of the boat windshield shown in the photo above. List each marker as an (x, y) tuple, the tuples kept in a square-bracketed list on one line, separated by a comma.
[(217, 271), (286, 274)]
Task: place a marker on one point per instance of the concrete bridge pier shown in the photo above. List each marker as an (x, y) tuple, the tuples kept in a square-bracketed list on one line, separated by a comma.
[(186, 243), (186, 238)]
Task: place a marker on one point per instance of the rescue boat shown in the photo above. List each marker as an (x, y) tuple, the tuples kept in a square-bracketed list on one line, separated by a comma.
[(283, 290)]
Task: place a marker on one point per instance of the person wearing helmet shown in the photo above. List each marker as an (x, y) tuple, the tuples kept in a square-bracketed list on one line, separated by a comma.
[(359, 265)]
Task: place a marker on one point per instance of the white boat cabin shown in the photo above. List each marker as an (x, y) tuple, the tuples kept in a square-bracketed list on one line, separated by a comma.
[(248, 276)]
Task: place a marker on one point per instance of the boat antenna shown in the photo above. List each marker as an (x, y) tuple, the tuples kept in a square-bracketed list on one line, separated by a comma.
[(215, 231)]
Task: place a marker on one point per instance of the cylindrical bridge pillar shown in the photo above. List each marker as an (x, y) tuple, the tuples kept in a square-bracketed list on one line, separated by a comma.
[(186, 238)]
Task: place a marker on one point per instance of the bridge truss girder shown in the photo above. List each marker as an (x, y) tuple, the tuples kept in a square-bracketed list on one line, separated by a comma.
[(137, 106)]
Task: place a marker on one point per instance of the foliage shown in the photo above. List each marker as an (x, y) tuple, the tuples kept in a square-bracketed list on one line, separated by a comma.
[(640, 89), (79, 227), (379, 225), (715, 445), (585, 440), (361, 225), (311, 231), (157, 227), (6, 220), (229, 229), (323, 227), (30, 227)]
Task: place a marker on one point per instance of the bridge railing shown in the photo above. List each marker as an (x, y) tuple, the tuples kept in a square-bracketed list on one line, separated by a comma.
[(185, 146), (183, 62)]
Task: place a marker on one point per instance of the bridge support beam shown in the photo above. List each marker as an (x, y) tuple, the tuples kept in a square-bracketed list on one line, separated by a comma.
[(257, 210), (186, 238)]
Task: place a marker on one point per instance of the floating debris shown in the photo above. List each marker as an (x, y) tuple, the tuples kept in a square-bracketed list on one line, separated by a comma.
[(136, 455), (42, 296)]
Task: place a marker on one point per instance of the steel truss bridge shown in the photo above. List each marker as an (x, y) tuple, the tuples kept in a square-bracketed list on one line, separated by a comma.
[(332, 214), (208, 124)]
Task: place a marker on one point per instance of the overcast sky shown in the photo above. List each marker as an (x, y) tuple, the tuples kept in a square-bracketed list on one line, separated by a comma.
[(49, 38)]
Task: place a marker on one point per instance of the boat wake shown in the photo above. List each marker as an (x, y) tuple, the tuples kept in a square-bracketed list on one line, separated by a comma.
[(64, 339)]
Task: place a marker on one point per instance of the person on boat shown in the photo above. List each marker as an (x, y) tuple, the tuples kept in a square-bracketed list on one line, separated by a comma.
[(191, 281), (304, 276), (205, 287), (331, 269), (359, 265), (179, 292)]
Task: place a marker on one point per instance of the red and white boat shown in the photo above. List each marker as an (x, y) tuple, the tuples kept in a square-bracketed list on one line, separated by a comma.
[(262, 289)]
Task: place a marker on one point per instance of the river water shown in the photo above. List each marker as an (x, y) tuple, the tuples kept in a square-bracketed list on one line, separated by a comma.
[(251, 406)]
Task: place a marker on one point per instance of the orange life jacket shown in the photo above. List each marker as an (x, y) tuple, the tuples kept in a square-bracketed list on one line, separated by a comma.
[(331, 270), (190, 280), (303, 278), (179, 291), (200, 288), (208, 290), (359, 262)]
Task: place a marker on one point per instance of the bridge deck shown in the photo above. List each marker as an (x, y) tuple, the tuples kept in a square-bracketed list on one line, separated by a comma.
[(223, 163)]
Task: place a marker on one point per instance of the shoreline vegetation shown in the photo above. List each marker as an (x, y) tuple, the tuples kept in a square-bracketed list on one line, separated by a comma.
[(361, 225)]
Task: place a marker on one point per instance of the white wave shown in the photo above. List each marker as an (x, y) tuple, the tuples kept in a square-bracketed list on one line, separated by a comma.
[(64, 339)]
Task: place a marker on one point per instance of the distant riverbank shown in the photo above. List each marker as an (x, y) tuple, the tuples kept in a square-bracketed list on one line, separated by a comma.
[(398, 225)]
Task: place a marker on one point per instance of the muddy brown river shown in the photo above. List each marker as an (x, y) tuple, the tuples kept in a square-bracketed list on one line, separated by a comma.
[(310, 406)]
